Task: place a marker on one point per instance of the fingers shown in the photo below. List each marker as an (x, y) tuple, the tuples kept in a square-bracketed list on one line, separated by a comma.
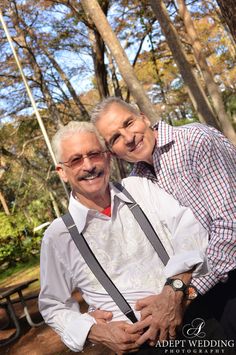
[(140, 326), (125, 341), (172, 332), (144, 302), (101, 316), (143, 338), (164, 333), (146, 312)]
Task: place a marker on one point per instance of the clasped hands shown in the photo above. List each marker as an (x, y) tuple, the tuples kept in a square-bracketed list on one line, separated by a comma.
[(161, 315)]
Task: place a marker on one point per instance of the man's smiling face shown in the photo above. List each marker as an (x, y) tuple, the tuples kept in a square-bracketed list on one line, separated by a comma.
[(84, 165), (127, 135)]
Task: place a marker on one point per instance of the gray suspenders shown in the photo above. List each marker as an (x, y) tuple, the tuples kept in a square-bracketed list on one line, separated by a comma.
[(97, 269), (94, 264)]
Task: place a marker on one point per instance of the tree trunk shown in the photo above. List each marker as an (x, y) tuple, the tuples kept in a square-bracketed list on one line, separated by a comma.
[(98, 51), (228, 10), (211, 86), (196, 92), (4, 204), (115, 82), (97, 47), (95, 13)]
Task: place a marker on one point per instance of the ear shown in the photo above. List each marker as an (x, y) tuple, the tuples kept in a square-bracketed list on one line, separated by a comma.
[(61, 172)]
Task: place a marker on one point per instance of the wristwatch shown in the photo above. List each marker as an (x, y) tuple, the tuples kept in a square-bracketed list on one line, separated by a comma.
[(176, 284), (191, 292)]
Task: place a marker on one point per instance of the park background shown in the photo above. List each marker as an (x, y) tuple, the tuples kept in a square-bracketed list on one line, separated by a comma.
[(174, 58)]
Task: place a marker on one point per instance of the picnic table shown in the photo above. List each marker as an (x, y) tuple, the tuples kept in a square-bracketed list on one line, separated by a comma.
[(7, 301)]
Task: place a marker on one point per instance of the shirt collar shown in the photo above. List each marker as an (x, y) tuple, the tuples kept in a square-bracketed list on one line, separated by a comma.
[(165, 133), (80, 213)]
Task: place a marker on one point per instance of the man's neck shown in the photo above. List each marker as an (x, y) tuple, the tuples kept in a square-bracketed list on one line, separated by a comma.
[(96, 202), (149, 160)]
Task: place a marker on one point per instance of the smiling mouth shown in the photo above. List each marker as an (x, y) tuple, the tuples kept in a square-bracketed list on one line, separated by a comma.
[(90, 177), (136, 146)]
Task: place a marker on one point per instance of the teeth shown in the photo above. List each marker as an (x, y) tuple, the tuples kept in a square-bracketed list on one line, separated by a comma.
[(90, 177), (138, 145)]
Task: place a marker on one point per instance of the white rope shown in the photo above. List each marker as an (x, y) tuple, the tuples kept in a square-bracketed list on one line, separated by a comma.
[(40, 121)]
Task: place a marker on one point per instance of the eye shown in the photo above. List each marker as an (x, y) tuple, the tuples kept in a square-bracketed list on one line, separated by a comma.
[(114, 139), (76, 160), (93, 155), (129, 123)]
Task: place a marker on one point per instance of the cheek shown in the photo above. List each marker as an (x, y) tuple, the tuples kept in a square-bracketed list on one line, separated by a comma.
[(120, 149)]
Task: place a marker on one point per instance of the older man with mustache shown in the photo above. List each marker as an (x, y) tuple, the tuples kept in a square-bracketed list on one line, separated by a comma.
[(99, 210)]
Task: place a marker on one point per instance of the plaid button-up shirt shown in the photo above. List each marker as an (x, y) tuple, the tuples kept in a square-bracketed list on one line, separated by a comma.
[(197, 165)]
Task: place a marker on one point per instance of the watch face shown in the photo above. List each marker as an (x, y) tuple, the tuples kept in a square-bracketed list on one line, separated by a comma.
[(178, 284)]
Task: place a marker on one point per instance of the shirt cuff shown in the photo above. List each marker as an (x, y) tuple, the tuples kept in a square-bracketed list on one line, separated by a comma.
[(185, 261), (76, 332), (205, 283)]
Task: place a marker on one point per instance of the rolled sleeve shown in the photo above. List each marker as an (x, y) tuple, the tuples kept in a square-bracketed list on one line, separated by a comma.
[(187, 261), (190, 242)]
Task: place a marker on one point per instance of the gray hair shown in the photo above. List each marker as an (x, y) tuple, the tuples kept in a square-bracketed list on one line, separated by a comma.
[(103, 107), (69, 130)]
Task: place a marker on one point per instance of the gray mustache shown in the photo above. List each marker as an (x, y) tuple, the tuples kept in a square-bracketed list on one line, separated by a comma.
[(90, 174)]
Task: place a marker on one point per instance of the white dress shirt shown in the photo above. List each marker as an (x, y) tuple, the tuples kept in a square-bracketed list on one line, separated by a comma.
[(124, 252)]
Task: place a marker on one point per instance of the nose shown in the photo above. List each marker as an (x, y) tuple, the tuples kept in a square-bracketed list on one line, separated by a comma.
[(127, 136), (88, 165)]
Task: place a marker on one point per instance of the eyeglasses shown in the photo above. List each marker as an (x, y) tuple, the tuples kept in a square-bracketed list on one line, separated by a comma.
[(78, 160)]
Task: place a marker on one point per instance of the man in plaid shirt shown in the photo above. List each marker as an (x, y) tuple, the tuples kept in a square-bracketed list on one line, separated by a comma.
[(197, 165)]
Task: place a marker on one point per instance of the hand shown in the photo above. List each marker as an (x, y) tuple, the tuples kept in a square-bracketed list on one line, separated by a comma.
[(161, 315), (115, 335), (101, 316)]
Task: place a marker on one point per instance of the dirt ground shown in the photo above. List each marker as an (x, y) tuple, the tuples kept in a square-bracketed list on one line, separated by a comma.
[(39, 340)]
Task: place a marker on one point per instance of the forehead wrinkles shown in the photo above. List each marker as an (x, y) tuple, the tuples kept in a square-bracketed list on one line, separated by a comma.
[(115, 122), (78, 144)]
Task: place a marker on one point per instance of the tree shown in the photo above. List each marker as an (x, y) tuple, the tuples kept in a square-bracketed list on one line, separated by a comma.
[(211, 86), (228, 10), (94, 11), (30, 58), (96, 42), (196, 92)]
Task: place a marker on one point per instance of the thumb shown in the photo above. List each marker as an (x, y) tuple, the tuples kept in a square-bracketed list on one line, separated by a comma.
[(101, 315)]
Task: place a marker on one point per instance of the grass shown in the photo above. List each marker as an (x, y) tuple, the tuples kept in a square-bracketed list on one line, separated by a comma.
[(21, 272)]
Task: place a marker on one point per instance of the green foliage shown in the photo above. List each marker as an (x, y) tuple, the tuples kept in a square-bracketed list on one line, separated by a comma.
[(18, 243), (230, 102), (184, 121), (19, 268)]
